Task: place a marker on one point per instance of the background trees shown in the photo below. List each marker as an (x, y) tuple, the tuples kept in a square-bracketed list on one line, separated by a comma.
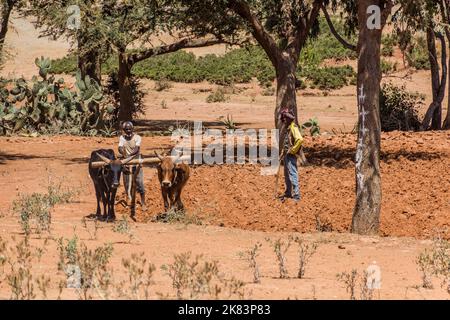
[(430, 17), (52, 18), (281, 28)]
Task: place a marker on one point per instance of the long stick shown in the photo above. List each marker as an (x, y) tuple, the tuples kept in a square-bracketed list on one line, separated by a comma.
[(280, 145), (277, 177), (100, 164)]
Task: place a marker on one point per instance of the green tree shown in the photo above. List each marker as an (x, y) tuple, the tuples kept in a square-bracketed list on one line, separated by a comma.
[(280, 27), (53, 19), (428, 16), (128, 28), (6, 8)]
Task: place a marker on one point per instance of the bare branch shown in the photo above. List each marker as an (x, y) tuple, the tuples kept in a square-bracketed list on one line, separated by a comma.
[(182, 44), (335, 33), (258, 31)]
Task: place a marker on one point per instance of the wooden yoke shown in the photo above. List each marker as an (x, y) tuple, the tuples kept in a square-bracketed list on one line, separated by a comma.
[(134, 162)]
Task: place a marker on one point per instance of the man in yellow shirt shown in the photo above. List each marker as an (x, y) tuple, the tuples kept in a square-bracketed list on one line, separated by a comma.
[(291, 147)]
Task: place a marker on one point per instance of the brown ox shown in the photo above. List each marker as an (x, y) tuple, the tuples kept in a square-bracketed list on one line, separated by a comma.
[(173, 178)]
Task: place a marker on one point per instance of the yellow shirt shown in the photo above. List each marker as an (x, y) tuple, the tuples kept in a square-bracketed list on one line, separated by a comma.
[(297, 139)]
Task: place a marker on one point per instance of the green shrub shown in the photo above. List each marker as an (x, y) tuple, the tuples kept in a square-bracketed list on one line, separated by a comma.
[(162, 85), (217, 96), (313, 126), (417, 54), (399, 108), (388, 67), (270, 91), (388, 43), (328, 78)]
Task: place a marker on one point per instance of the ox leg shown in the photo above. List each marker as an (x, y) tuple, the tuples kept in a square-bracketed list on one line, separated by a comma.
[(111, 203), (165, 199), (178, 202), (104, 196), (172, 198), (98, 195)]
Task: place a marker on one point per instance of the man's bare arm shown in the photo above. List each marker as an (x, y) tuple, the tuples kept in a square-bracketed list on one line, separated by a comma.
[(122, 151)]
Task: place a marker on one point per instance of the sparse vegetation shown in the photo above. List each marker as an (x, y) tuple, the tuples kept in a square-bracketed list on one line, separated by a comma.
[(236, 66), (388, 42), (280, 248), (435, 262), (194, 278), (269, 91), (34, 210), (179, 216), (139, 277), (352, 281), (91, 226), (322, 225), (417, 54), (250, 256), (329, 78), (217, 96), (123, 227), (388, 67), (17, 262), (305, 252), (162, 85)]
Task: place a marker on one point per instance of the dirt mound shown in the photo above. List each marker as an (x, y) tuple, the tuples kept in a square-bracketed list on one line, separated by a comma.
[(415, 203)]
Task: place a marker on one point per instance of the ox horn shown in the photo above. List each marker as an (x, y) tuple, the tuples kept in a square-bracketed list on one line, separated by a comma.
[(125, 161), (103, 158), (160, 157)]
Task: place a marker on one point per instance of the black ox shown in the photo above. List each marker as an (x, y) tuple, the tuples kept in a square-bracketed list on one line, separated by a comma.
[(106, 180)]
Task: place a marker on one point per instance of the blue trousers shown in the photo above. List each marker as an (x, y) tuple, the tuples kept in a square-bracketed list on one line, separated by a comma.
[(291, 177)]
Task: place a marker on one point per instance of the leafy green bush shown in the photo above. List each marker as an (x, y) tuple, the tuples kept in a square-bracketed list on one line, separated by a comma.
[(162, 85), (388, 43), (313, 126), (399, 108), (388, 67), (417, 54), (217, 96), (328, 78)]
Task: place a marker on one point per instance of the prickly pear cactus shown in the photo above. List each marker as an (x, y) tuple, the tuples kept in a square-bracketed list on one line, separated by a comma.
[(44, 65), (44, 105)]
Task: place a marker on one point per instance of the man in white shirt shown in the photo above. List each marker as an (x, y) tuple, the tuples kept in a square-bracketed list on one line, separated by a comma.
[(130, 145)]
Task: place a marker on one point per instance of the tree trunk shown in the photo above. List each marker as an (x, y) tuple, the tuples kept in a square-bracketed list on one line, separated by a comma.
[(445, 8), (366, 214), (438, 83), (286, 94), (89, 62), (7, 7), (446, 125), (125, 90)]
